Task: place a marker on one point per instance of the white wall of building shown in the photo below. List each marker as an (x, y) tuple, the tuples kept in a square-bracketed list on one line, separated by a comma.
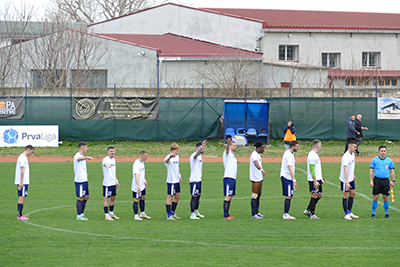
[(216, 28), (349, 46)]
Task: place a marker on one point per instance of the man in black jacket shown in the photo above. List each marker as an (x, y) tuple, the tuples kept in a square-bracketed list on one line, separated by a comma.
[(359, 127)]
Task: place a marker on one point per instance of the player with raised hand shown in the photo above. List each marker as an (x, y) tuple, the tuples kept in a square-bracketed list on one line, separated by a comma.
[(196, 167), (381, 168), (81, 180), (230, 165)]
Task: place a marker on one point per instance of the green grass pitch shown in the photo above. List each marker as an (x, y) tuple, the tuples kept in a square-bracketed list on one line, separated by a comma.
[(53, 237)]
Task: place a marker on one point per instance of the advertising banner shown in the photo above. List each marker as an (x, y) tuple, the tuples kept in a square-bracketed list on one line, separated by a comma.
[(117, 108), (11, 107), (388, 108), (35, 135)]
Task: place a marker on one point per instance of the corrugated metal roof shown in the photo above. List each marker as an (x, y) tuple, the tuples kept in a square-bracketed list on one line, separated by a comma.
[(343, 74), (316, 19), (171, 45)]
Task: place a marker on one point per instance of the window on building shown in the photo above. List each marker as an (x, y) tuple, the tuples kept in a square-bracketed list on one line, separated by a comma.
[(288, 52), (48, 78), (331, 60), (387, 82), (89, 78), (371, 59), (351, 82)]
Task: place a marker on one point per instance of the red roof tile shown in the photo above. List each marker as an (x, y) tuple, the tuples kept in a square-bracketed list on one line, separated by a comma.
[(316, 19), (171, 45), (343, 74)]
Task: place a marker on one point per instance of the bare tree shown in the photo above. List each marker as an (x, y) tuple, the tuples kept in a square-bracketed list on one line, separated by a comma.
[(229, 75), (14, 25), (91, 11), (64, 57)]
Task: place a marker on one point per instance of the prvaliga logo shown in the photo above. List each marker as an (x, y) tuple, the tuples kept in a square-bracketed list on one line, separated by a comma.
[(10, 136)]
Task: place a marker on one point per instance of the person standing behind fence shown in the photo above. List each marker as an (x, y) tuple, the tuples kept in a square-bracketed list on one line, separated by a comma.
[(173, 182), (290, 134), (351, 131), (22, 179), (81, 180), (359, 128)]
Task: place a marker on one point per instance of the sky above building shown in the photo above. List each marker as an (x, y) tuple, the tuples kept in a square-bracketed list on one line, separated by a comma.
[(382, 6)]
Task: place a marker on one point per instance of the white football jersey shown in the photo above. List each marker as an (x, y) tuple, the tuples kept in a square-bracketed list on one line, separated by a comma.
[(230, 164), (255, 174), (287, 160), (22, 161), (80, 169), (172, 169), (348, 160), (109, 174), (138, 168), (313, 158), (196, 167)]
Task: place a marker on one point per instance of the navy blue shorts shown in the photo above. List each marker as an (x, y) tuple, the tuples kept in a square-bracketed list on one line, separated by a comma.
[(24, 191), (173, 188), (229, 187), (343, 186), (195, 188), (82, 189), (287, 187), (109, 191), (136, 195)]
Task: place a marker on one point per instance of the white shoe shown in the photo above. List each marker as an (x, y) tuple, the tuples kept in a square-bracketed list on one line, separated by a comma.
[(108, 218), (307, 213), (144, 216), (137, 218), (260, 215), (114, 216), (353, 216), (347, 217), (176, 217), (171, 218), (286, 216), (194, 217), (314, 217)]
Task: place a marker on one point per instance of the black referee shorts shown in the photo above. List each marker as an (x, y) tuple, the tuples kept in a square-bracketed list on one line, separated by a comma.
[(381, 186)]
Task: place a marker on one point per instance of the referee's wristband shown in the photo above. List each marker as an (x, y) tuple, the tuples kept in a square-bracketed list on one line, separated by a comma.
[(294, 180), (393, 181)]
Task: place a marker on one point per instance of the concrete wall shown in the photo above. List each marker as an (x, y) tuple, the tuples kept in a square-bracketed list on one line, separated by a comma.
[(186, 21), (350, 46)]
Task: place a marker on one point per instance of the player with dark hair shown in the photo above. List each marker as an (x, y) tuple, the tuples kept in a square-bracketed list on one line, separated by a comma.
[(287, 177), (314, 177), (257, 175), (173, 182), (81, 180), (381, 168), (22, 179), (110, 184), (348, 179), (196, 167), (230, 165), (139, 185)]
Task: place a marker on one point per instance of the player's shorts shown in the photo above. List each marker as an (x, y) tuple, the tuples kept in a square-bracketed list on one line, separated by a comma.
[(109, 191), (312, 189), (229, 187), (287, 187), (136, 195), (381, 186), (24, 191), (343, 186), (195, 188), (82, 189), (173, 188)]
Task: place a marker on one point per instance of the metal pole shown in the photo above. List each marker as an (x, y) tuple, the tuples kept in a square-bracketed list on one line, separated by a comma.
[(158, 75), (26, 89)]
